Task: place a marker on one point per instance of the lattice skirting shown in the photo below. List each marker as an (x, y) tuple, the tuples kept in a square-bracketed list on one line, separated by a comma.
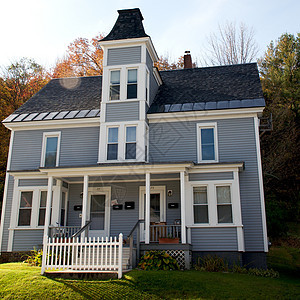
[(179, 255)]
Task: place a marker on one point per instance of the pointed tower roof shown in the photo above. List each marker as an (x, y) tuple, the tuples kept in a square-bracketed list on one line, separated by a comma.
[(128, 26)]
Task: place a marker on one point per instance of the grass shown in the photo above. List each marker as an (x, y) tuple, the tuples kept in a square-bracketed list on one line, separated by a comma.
[(19, 281)]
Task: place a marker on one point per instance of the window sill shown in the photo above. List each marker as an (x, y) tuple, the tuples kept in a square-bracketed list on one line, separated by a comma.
[(27, 228), (214, 226)]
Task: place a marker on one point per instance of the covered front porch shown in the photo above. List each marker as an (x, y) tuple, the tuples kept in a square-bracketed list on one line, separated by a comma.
[(143, 202)]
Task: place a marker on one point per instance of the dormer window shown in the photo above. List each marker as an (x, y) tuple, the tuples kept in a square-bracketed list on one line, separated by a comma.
[(132, 84), (114, 85)]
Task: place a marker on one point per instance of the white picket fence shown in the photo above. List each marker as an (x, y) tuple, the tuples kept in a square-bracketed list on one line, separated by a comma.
[(83, 255)]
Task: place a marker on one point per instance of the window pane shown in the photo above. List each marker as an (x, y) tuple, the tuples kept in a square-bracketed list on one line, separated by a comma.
[(43, 199), (97, 203), (207, 135), (42, 213), (97, 212), (114, 92), (208, 152), (130, 151), (131, 91), (51, 151), (224, 214), (200, 195), (113, 135), (207, 144), (112, 151), (26, 199), (131, 134), (24, 217), (200, 214), (223, 194), (132, 76), (115, 77)]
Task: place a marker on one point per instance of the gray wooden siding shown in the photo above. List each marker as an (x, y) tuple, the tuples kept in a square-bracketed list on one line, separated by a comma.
[(122, 111), (214, 239), (124, 56), (210, 176), (33, 182), (79, 146), (177, 141), (153, 88), (6, 221), (26, 240), (149, 61), (123, 220)]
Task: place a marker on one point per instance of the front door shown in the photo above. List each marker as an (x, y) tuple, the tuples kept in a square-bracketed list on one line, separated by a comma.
[(157, 206), (99, 214)]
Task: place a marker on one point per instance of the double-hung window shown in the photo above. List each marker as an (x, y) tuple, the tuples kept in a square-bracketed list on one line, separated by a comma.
[(42, 208), (224, 204), (50, 152), (200, 204), (130, 149), (112, 143), (114, 93), (25, 208), (132, 84), (207, 143)]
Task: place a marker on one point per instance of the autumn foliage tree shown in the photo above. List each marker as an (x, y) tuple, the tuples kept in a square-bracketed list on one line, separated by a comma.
[(84, 57), (18, 82)]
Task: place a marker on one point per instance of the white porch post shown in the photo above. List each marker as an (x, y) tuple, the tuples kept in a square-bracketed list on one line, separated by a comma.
[(147, 210), (84, 201), (47, 221), (182, 197)]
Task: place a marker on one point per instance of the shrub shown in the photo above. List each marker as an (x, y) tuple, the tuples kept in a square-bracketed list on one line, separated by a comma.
[(263, 273), (158, 260), (35, 259), (212, 263)]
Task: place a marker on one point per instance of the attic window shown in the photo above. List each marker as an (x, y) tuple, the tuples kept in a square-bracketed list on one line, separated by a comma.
[(50, 150), (132, 84)]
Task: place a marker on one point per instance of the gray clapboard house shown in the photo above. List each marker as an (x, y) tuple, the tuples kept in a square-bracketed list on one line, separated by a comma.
[(146, 153)]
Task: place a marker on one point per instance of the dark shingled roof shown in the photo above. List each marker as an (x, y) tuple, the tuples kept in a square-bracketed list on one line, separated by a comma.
[(198, 89), (232, 86), (65, 94), (128, 26)]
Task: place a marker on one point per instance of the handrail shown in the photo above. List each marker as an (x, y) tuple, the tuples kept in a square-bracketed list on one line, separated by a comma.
[(82, 229), (130, 237), (134, 227)]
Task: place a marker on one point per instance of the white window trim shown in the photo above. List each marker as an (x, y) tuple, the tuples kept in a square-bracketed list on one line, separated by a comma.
[(106, 144), (43, 155), (212, 203), (124, 81), (231, 198), (137, 82), (208, 204), (199, 152), (111, 70), (38, 206), (125, 141)]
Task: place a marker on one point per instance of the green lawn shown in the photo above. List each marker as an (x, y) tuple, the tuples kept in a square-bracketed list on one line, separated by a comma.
[(19, 281)]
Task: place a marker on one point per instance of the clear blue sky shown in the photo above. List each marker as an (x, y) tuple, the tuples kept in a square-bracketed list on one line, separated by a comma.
[(42, 30)]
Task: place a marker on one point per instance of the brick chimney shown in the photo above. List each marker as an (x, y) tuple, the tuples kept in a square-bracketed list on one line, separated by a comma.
[(187, 60)]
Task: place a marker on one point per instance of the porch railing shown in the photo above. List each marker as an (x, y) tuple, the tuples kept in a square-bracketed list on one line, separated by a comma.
[(162, 231), (90, 255), (63, 231), (68, 231)]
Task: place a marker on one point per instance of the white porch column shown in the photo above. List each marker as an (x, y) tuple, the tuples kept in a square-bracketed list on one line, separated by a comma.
[(47, 221), (147, 210), (85, 200), (48, 208), (56, 203), (182, 198)]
